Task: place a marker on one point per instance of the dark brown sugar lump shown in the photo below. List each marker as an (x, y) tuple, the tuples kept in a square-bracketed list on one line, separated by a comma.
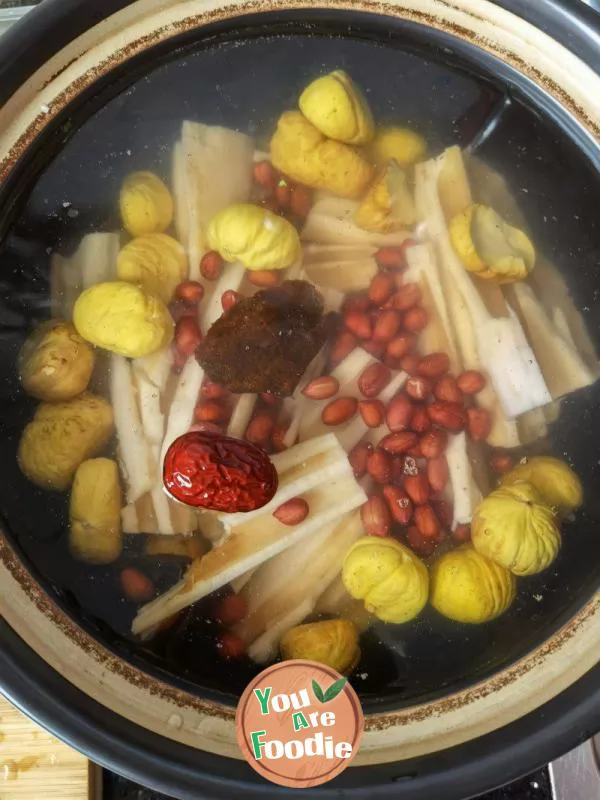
[(265, 342)]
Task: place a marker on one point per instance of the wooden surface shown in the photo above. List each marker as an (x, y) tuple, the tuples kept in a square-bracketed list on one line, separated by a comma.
[(36, 766)]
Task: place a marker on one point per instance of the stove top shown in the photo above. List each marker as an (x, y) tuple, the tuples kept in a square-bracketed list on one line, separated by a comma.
[(537, 786)]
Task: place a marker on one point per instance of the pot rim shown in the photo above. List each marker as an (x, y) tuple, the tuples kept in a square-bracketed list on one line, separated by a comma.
[(119, 745), (28, 602)]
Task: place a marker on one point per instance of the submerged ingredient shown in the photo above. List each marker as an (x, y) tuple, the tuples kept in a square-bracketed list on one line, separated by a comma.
[(468, 587), (388, 206), (390, 578), (156, 262), (515, 528), (490, 247), (301, 152), (123, 318), (255, 237), (333, 642), (265, 342), (95, 512), (146, 204), (55, 363), (555, 481), (338, 109), (397, 144), (61, 436), (212, 471)]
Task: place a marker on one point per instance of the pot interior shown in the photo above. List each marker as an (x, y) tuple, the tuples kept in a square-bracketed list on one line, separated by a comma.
[(68, 186)]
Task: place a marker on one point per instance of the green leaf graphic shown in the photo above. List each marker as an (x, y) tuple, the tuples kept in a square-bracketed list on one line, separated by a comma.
[(335, 689), (318, 691)]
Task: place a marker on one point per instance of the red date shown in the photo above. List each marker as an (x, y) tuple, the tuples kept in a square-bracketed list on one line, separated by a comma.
[(212, 471)]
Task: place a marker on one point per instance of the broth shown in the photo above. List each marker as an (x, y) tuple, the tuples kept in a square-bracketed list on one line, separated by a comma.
[(77, 194)]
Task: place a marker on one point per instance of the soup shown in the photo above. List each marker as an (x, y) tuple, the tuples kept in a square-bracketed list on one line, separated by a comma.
[(360, 299)]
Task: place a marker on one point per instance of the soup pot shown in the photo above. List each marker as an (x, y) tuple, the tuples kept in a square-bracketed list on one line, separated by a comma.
[(87, 93)]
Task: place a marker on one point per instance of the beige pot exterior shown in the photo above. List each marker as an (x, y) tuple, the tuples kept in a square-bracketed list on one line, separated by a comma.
[(422, 729)]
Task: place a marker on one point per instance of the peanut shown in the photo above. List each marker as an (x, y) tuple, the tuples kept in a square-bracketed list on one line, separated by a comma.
[(264, 278), (479, 423), (187, 336), (376, 349), (259, 429), (418, 388), (399, 413), (293, 512), (450, 416), (387, 325), (420, 422), (136, 585), (379, 466), (427, 522), (343, 345), (229, 299), (433, 365), (321, 388), (373, 379), (415, 320), (437, 473), (358, 458), (446, 389), (409, 363), (358, 323), (381, 289), (266, 175), (372, 412), (398, 443), (339, 411), (391, 258), (230, 646), (190, 292), (211, 265), (502, 462), (407, 297), (471, 381), (401, 345), (399, 504), (433, 443), (421, 546), (462, 533), (417, 488), (231, 609), (300, 201), (375, 517), (210, 412)]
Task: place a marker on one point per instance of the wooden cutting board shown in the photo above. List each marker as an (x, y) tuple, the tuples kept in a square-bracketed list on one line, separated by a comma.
[(36, 766)]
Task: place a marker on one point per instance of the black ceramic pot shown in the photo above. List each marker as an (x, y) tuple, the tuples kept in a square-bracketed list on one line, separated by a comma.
[(92, 91)]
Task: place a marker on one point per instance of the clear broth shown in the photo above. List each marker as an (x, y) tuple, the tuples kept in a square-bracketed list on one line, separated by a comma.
[(243, 85)]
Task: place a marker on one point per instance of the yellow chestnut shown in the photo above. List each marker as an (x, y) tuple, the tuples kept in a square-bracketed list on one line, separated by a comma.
[(468, 587), (389, 577), (514, 527), (397, 144), (555, 481), (156, 262), (338, 109), (302, 153), (123, 318), (388, 205), (146, 204), (333, 642), (61, 436), (489, 246), (255, 237), (95, 534), (55, 363)]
